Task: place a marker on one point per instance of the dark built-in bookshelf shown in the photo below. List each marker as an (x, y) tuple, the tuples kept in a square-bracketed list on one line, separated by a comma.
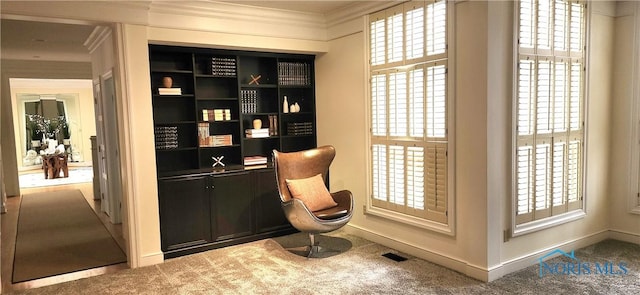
[(204, 132)]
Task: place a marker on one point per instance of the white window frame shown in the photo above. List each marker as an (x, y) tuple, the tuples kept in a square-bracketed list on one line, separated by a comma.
[(572, 214), (447, 227)]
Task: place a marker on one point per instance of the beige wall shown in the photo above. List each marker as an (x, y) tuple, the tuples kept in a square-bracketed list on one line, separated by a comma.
[(624, 81)]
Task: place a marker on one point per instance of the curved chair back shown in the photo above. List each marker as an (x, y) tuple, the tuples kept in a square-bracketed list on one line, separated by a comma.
[(303, 164)]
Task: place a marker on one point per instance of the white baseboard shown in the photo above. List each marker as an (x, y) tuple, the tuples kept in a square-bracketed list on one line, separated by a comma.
[(413, 250), (530, 259), (496, 271), (624, 236), (151, 259)]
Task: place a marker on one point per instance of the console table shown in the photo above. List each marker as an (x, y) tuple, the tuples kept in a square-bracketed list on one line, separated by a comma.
[(54, 164)]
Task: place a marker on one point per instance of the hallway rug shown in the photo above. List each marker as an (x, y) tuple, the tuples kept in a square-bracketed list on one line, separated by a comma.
[(59, 233)]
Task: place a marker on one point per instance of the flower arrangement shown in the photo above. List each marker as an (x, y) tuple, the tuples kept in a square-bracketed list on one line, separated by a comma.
[(48, 127)]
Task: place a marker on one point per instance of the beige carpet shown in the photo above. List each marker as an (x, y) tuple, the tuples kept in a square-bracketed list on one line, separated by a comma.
[(58, 233), (265, 267)]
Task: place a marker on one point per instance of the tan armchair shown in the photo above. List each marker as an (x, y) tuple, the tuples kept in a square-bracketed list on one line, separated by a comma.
[(297, 175)]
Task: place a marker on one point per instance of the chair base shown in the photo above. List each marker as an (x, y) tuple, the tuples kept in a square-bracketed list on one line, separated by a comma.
[(312, 250)]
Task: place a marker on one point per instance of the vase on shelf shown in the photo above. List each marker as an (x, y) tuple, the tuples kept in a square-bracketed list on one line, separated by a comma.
[(167, 82), (285, 105), (257, 124)]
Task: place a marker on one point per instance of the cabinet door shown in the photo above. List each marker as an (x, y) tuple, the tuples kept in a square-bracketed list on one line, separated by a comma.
[(185, 218), (269, 214), (232, 209)]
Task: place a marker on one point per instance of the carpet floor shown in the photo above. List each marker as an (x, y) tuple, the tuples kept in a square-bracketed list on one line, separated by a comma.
[(58, 233), (359, 267)]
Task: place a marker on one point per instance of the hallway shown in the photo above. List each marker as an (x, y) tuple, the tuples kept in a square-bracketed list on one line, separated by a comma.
[(9, 226)]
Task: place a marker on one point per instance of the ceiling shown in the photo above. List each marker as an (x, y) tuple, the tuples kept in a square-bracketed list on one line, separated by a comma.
[(32, 40)]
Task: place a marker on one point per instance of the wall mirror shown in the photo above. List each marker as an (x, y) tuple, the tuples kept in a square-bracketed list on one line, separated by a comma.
[(60, 112)]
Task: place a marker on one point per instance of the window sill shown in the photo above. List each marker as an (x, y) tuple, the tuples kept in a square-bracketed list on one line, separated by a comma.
[(410, 220), (548, 222)]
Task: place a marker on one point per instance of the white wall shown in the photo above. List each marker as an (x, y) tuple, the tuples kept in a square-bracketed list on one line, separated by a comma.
[(626, 26)]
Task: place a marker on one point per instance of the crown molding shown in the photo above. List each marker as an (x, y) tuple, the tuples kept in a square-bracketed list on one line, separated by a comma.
[(223, 17), (357, 10), (99, 34), (235, 11), (85, 12)]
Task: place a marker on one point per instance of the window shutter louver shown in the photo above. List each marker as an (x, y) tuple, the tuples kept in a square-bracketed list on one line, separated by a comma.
[(543, 103), (415, 178), (561, 29), (414, 32), (377, 42), (573, 178), (379, 163), (437, 181), (396, 174), (416, 103), (575, 90), (379, 105), (436, 28), (559, 97), (395, 38), (524, 179), (398, 104), (542, 176), (577, 28), (526, 96), (527, 24), (436, 101), (559, 164), (544, 31)]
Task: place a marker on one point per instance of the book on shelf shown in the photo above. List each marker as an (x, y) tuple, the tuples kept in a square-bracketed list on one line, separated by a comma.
[(249, 167), (273, 125), (221, 114), (221, 140), (203, 133), (257, 133), (216, 115), (170, 91), (255, 160)]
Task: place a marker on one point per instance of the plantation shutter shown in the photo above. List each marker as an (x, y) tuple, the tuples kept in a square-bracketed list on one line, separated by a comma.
[(409, 110), (549, 109)]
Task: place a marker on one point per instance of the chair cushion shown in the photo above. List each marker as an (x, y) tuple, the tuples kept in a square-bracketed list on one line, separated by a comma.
[(312, 192)]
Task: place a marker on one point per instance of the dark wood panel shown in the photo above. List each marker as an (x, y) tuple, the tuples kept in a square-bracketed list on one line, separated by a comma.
[(269, 214), (232, 209), (184, 211)]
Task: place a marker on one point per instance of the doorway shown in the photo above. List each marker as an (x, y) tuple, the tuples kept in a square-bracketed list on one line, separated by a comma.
[(49, 70)]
